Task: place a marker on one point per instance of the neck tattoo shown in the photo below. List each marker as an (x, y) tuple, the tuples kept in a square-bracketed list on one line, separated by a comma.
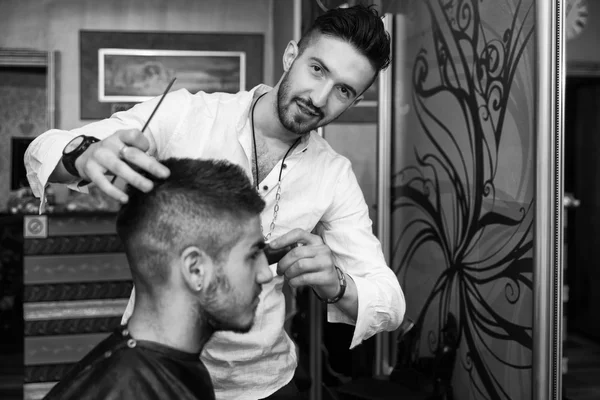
[(257, 181)]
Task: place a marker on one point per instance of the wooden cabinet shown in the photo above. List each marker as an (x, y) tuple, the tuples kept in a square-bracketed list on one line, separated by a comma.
[(73, 288)]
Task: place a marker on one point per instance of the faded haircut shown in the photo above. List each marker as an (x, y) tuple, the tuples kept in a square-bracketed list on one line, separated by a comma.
[(203, 203), (360, 26)]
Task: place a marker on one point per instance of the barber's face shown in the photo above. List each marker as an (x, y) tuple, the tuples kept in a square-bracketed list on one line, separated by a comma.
[(321, 83), (237, 283)]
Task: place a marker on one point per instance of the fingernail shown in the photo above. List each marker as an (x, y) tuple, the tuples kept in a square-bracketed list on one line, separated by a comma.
[(124, 199)]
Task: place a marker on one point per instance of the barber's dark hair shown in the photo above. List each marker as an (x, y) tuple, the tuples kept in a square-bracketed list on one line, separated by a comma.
[(202, 203), (360, 26)]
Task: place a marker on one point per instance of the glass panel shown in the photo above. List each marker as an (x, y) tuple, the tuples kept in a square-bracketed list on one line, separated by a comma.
[(463, 185)]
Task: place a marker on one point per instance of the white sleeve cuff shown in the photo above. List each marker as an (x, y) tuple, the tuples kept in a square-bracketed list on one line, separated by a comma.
[(365, 291), (41, 158)]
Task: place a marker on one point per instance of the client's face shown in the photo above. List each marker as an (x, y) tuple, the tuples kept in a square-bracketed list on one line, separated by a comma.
[(238, 282)]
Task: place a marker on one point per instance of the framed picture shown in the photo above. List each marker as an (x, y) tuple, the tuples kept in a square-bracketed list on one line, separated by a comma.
[(132, 75), (120, 69)]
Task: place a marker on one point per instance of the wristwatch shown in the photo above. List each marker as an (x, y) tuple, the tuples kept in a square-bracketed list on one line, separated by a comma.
[(74, 149)]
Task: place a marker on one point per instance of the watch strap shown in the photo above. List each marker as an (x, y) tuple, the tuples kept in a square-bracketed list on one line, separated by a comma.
[(69, 159)]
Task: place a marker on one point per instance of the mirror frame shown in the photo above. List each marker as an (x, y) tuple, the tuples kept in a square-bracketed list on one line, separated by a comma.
[(548, 263)]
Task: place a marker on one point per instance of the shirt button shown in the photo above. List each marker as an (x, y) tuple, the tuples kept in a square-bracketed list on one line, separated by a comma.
[(284, 166), (131, 343), (265, 187), (107, 354)]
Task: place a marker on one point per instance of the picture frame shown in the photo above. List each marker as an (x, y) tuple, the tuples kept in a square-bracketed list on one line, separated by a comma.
[(145, 55), (133, 75)]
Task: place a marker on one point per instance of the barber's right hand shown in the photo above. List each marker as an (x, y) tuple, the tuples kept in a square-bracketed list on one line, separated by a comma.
[(116, 155)]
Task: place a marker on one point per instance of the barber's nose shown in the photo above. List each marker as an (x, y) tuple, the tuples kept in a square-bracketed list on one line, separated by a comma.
[(319, 95), (263, 274)]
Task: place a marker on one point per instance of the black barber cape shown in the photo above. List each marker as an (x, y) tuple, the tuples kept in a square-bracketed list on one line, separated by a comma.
[(122, 368)]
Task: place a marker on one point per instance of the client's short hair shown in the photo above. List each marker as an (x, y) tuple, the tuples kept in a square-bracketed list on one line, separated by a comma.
[(202, 203)]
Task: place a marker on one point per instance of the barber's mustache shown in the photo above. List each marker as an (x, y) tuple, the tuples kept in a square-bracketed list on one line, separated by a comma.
[(310, 106)]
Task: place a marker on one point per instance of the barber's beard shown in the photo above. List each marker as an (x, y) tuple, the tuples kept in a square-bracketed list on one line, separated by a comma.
[(290, 119)]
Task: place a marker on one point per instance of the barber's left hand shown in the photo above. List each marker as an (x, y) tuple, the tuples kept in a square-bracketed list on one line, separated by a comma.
[(309, 264)]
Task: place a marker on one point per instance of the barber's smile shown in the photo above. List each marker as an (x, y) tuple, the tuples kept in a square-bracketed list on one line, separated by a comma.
[(305, 109)]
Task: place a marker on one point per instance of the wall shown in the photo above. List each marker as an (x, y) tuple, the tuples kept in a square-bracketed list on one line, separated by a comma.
[(358, 142), (283, 32), (463, 191), (54, 25), (22, 115)]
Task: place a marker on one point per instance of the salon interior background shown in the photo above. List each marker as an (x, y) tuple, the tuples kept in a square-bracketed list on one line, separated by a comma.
[(54, 25)]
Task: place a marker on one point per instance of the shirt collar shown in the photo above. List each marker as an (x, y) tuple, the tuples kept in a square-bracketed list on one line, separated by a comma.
[(247, 100)]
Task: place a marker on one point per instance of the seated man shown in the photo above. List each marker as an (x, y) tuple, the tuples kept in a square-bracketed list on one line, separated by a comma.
[(195, 249)]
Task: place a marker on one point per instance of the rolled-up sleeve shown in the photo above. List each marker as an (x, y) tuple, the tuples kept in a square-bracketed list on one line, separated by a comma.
[(45, 152), (42, 156), (347, 229)]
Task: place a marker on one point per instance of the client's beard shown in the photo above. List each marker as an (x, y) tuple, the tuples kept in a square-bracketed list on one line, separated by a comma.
[(220, 286), (217, 324)]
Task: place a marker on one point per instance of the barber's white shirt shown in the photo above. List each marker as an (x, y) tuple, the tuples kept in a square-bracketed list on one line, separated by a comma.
[(318, 190)]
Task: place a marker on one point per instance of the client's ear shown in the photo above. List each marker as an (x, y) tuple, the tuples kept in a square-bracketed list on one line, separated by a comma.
[(196, 268)]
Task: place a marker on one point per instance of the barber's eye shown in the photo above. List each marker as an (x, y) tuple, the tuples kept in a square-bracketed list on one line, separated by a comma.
[(316, 68), (256, 254), (344, 92)]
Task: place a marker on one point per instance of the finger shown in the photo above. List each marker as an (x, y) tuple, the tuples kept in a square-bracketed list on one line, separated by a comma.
[(142, 160), (301, 267), (129, 175), (96, 174), (106, 158), (309, 279), (296, 236), (134, 138), (295, 255)]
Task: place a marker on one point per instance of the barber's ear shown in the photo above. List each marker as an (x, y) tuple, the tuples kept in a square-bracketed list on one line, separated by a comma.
[(357, 100), (289, 55), (196, 268)]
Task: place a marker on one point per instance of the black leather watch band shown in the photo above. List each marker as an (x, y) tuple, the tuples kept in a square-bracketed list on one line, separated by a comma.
[(340, 293), (70, 155)]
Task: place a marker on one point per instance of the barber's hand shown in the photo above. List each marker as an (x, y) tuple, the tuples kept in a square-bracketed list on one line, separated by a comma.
[(116, 155), (310, 264)]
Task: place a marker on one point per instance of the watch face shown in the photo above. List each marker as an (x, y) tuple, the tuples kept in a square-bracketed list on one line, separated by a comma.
[(73, 144)]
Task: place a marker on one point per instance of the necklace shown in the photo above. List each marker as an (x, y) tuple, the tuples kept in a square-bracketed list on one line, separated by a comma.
[(278, 194)]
